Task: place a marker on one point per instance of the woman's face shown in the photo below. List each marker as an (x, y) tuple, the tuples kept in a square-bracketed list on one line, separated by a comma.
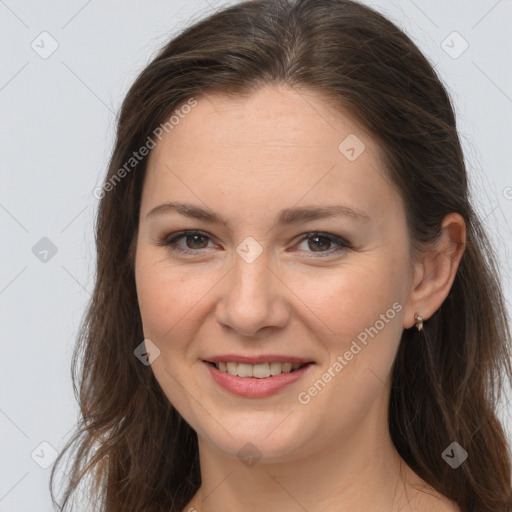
[(252, 288)]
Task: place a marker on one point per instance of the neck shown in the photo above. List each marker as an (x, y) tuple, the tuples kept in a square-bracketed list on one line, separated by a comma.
[(363, 472)]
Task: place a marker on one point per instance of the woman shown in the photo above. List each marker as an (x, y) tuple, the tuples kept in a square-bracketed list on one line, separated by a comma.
[(296, 307)]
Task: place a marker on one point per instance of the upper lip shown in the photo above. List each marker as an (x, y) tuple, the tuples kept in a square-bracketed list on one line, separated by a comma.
[(265, 358)]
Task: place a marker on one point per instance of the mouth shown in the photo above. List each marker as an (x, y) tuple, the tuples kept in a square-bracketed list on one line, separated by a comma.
[(254, 378), (257, 371)]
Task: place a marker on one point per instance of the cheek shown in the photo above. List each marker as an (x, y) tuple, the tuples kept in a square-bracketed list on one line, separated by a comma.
[(163, 300), (170, 298), (351, 298), (360, 310), (361, 321)]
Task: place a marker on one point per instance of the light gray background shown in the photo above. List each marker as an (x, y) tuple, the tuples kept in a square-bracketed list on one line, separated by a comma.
[(58, 118)]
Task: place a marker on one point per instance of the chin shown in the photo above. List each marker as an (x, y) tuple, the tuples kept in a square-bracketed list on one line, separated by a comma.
[(258, 436)]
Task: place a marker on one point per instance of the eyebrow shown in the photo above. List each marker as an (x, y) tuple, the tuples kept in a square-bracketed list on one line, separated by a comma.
[(285, 217)]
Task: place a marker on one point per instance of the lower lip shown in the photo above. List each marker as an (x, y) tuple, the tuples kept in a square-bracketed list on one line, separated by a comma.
[(251, 387)]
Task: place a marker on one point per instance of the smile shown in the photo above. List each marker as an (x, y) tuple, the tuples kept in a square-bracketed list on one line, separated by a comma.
[(258, 371), (256, 380)]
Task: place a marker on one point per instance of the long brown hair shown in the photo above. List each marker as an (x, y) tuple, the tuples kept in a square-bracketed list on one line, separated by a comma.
[(138, 452)]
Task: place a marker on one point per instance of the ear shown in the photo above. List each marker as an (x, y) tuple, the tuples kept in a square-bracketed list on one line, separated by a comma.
[(435, 273)]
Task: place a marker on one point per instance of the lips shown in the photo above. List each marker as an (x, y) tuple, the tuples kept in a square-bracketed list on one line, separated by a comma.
[(258, 371), (280, 358), (256, 377)]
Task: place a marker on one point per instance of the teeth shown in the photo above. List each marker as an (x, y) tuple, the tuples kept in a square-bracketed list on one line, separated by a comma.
[(232, 368), (259, 371), (287, 367), (275, 368), (244, 370)]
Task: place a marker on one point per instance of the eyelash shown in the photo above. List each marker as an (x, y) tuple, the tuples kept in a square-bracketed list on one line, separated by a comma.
[(171, 242)]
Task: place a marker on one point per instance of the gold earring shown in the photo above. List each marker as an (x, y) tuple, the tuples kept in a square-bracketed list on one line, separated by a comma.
[(419, 321)]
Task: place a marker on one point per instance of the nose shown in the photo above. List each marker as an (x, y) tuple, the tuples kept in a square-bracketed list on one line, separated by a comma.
[(253, 298)]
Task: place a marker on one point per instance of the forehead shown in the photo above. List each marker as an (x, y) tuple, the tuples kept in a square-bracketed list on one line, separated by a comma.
[(271, 119), (274, 146)]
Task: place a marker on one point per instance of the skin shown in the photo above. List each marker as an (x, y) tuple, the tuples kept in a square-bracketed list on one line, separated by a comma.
[(246, 159)]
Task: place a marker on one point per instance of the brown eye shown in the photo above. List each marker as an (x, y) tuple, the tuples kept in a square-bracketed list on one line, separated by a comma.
[(319, 243), (194, 241), (322, 244)]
